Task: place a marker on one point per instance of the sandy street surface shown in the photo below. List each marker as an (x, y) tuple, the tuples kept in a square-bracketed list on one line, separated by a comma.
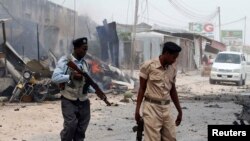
[(203, 104)]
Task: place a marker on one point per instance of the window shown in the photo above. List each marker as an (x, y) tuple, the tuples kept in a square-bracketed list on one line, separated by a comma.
[(228, 58)]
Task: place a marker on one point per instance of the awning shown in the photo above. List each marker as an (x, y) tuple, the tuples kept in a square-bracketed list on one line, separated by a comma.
[(218, 45), (215, 47)]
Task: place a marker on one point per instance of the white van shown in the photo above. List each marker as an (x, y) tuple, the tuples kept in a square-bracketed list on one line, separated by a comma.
[(229, 67)]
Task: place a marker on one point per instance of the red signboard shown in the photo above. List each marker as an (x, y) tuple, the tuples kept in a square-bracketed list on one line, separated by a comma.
[(208, 27)]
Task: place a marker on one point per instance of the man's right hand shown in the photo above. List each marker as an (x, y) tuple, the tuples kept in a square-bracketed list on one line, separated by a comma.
[(137, 116), (76, 76)]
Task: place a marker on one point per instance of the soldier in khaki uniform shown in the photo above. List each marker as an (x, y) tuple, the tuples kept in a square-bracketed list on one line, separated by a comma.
[(157, 86)]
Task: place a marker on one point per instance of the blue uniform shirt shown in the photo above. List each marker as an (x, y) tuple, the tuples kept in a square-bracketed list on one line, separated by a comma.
[(61, 74)]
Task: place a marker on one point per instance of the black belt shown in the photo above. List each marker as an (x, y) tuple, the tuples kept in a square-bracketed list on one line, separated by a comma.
[(160, 102)]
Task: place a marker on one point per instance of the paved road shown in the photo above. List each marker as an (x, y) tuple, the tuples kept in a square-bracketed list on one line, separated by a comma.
[(44, 121)]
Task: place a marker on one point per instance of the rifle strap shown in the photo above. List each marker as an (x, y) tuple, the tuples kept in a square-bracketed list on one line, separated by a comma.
[(66, 70)]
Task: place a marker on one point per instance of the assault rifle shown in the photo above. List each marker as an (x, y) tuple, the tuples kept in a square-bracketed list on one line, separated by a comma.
[(90, 81), (139, 130)]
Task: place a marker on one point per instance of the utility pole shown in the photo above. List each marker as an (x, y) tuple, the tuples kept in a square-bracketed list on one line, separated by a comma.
[(74, 20), (38, 47), (245, 28), (219, 25), (133, 39), (4, 45), (23, 52), (244, 42)]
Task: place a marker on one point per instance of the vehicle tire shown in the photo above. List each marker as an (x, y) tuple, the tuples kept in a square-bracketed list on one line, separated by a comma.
[(244, 81), (211, 81), (240, 83), (15, 94), (40, 93)]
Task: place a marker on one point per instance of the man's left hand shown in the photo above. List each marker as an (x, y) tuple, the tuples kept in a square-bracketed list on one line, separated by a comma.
[(178, 120), (103, 97)]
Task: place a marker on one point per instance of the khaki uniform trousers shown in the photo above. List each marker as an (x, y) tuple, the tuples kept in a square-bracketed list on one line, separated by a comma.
[(158, 124)]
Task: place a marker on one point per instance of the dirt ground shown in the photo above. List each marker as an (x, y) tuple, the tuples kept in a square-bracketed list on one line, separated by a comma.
[(203, 104)]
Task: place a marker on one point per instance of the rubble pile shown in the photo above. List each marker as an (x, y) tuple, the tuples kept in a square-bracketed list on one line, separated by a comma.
[(244, 116)]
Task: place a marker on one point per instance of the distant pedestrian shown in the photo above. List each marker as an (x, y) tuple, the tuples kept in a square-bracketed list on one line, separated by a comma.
[(210, 60), (204, 60)]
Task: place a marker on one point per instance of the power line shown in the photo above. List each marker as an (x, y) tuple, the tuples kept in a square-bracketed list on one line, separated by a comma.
[(144, 9), (232, 22), (241, 19), (6, 9), (195, 11), (164, 13), (13, 17), (128, 10), (63, 2), (163, 23), (192, 14)]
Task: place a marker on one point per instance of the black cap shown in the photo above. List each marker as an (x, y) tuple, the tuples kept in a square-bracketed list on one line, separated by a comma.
[(171, 48), (80, 41)]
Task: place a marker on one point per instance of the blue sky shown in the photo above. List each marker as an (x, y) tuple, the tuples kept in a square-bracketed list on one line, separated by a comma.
[(161, 12)]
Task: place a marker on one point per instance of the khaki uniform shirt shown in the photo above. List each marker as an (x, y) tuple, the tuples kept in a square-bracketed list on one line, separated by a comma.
[(159, 79)]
